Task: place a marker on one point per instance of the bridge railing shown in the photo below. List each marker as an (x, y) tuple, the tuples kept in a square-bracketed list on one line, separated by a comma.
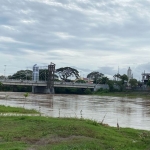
[(61, 84), (72, 83)]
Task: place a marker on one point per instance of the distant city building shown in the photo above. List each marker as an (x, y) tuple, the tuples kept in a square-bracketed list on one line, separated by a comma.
[(145, 77), (35, 75), (129, 74)]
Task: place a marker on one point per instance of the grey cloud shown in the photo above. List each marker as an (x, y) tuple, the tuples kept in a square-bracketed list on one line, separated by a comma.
[(98, 25)]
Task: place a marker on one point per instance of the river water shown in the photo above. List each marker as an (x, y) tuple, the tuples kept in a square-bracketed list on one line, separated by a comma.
[(133, 113)]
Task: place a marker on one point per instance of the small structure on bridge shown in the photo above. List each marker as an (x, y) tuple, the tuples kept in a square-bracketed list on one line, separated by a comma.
[(50, 82), (35, 75), (49, 89)]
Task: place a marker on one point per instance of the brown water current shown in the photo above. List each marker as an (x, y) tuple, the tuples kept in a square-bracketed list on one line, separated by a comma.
[(133, 113)]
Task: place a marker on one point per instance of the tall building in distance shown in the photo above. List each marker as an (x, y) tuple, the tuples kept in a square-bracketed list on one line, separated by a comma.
[(129, 74)]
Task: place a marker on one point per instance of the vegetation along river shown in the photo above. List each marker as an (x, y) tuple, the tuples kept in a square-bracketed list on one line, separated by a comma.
[(133, 113)]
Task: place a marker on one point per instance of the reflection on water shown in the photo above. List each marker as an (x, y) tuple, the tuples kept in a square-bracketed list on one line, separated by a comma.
[(133, 113)]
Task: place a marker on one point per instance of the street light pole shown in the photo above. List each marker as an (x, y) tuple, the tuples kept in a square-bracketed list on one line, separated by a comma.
[(45, 74), (5, 71), (26, 73)]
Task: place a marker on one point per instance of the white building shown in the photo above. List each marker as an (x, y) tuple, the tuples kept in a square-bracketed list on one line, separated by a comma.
[(129, 74), (35, 76)]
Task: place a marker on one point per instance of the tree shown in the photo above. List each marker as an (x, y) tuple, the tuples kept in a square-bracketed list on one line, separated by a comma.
[(1, 86), (95, 76), (66, 72), (80, 81), (148, 83), (133, 82), (124, 78), (103, 80), (111, 85), (87, 91), (140, 84), (22, 74), (2, 77), (116, 76)]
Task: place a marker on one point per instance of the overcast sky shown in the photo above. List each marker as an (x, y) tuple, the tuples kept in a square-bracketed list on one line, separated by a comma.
[(90, 35)]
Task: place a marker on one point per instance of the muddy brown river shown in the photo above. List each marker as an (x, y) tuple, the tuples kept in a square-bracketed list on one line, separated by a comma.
[(133, 113)]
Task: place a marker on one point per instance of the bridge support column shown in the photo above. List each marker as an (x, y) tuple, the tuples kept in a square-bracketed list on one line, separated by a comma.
[(33, 89), (42, 90), (50, 91)]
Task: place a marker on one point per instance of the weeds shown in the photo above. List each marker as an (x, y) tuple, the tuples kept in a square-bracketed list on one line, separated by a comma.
[(25, 95), (103, 118)]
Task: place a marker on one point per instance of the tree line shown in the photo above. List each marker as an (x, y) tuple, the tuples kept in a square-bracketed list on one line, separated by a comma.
[(64, 74)]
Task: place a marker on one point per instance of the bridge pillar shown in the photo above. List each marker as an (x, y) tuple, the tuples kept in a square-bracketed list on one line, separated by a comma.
[(50, 90), (42, 89)]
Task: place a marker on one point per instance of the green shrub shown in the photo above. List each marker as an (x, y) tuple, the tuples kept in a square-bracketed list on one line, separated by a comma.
[(88, 91)]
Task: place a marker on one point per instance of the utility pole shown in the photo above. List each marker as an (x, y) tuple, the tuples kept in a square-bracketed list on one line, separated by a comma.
[(45, 74), (5, 71), (26, 73)]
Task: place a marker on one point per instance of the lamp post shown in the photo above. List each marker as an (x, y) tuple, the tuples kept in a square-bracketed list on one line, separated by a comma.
[(5, 71), (26, 73), (45, 75)]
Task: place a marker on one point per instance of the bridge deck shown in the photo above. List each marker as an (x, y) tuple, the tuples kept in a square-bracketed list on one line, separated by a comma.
[(44, 83)]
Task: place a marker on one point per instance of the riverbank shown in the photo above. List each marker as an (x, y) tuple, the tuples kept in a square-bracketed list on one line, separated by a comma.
[(125, 94), (67, 133), (42, 133), (16, 110)]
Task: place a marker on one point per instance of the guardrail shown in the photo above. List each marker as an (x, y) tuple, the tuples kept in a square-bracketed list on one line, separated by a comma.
[(44, 83)]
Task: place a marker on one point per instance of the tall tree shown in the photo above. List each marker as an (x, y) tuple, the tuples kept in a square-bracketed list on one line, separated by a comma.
[(66, 72), (124, 78), (133, 82), (96, 76), (117, 76), (22, 74), (121, 81), (103, 80)]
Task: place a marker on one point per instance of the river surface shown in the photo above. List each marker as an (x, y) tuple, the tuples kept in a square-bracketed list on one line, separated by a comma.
[(133, 113)]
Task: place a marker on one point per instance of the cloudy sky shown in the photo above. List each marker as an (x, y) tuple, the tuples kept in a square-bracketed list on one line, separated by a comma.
[(90, 35)]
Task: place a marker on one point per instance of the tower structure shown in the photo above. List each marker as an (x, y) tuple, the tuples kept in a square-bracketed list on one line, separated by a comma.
[(129, 74), (50, 81), (35, 75)]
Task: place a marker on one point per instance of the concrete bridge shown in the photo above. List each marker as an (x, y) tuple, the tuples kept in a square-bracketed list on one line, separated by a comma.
[(41, 86)]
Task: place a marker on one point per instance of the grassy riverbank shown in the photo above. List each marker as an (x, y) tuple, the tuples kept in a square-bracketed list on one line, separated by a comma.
[(41, 133), (8, 109), (46, 133), (125, 94)]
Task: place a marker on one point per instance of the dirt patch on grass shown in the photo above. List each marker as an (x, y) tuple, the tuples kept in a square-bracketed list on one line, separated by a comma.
[(54, 140)]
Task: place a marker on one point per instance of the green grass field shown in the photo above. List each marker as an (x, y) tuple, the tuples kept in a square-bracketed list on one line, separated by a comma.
[(41, 133), (46, 133), (8, 109)]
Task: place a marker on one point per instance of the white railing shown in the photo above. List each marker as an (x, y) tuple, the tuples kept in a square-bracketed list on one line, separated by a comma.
[(44, 83)]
